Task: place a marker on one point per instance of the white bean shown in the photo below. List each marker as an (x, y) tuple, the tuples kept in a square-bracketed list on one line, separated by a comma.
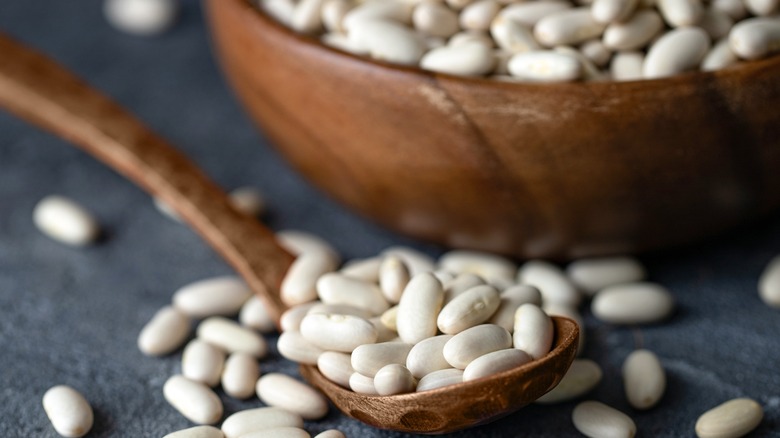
[(293, 346), (679, 13), (388, 318), (394, 379), (282, 391), (416, 261), (231, 337), (475, 342), (383, 333), (307, 17), (252, 420), (533, 331), (460, 284), (338, 332), (427, 356), (202, 362), (488, 266), (595, 420), (644, 379), (593, 274), (609, 11), (141, 17), (363, 269), (254, 315), (755, 38), (368, 359), (68, 411), (471, 59), (334, 288), (333, 13), (418, 308), (478, 15), (762, 7), (512, 36), (510, 300), (545, 66), (299, 283), (582, 376), (468, 309), (301, 242), (596, 52), (362, 384), (732, 419), (332, 433), (278, 432), (720, 56), (65, 221), (392, 10), (440, 378), (627, 66), (197, 432), (734, 8), (239, 375), (677, 51), (218, 296), (633, 303), (194, 400), (551, 281), (164, 333), (634, 33), (393, 278), (290, 320), (494, 363), (716, 23), (337, 367), (571, 26), (387, 41), (435, 19), (339, 309), (529, 13), (769, 283)]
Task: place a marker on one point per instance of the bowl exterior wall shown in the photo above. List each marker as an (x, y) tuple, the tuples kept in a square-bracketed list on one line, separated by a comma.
[(563, 171)]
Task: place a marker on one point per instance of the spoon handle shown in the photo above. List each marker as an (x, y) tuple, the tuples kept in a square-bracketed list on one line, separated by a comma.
[(44, 93)]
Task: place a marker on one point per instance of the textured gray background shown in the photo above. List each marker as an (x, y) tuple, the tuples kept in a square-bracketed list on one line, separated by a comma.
[(72, 315)]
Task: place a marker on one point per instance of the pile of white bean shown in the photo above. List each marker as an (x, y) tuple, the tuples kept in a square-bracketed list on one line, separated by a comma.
[(402, 322), (543, 40), (397, 322)]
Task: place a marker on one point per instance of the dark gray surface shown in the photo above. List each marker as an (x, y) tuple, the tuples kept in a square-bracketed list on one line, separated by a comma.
[(71, 316)]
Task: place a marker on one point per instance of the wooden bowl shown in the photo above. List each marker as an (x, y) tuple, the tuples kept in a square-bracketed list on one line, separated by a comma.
[(558, 170)]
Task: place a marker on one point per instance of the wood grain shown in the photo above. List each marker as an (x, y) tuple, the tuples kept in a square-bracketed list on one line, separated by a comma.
[(556, 170), (40, 91)]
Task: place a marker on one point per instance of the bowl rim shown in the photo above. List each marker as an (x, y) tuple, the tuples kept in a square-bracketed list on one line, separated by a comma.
[(742, 69)]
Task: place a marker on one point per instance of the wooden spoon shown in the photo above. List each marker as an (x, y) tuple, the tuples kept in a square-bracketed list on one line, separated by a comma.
[(39, 90)]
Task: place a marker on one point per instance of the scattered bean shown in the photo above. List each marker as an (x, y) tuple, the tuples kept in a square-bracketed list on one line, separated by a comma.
[(68, 410), (164, 333), (282, 391), (252, 420), (66, 221), (731, 419), (595, 420), (194, 400)]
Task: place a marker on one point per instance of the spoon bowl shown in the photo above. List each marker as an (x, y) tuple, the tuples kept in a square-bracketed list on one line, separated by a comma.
[(462, 405), (44, 93)]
